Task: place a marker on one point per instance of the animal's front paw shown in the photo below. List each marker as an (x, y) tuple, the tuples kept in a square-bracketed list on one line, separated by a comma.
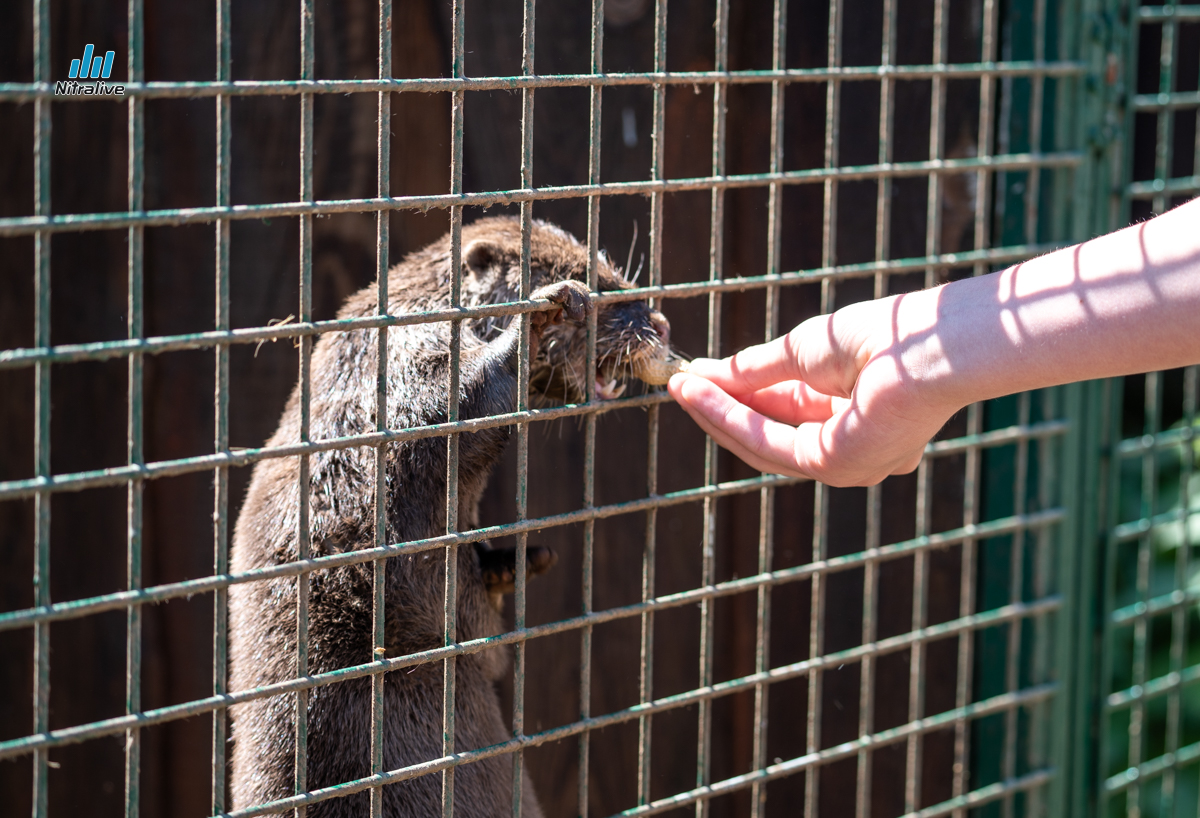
[(499, 566), (573, 297)]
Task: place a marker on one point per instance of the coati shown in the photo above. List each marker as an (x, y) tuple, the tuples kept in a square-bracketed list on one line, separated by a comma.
[(262, 626)]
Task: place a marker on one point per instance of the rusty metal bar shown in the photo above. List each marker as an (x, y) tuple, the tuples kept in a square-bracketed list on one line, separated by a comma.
[(41, 409), (135, 451), (40, 223), (450, 602), (221, 323), (304, 380), (29, 92)]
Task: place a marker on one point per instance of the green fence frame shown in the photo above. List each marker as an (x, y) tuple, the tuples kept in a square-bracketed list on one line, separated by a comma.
[(1053, 171)]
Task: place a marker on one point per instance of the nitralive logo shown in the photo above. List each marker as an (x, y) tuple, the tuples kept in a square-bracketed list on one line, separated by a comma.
[(91, 67)]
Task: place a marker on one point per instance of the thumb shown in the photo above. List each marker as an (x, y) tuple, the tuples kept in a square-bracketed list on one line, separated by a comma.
[(825, 352)]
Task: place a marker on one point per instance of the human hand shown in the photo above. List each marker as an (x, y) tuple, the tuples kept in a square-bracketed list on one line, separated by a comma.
[(842, 398)]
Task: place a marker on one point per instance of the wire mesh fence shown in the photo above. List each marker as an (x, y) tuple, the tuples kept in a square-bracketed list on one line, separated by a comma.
[(1148, 723), (902, 649)]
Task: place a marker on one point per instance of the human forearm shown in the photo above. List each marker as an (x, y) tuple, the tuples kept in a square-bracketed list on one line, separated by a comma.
[(1122, 303)]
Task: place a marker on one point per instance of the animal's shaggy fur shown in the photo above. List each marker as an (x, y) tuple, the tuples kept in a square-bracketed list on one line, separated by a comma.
[(341, 497)]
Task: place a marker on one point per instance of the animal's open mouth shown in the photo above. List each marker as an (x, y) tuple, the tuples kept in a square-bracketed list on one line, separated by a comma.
[(609, 389), (655, 369), (609, 386)]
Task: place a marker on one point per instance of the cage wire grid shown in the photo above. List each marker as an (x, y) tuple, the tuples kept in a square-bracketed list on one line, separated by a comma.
[(1025, 616), (1150, 665)]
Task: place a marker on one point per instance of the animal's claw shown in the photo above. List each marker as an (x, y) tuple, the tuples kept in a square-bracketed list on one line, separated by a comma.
[(573, 296)]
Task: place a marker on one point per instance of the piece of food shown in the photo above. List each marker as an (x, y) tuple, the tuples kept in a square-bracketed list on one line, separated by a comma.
[(658, 371)]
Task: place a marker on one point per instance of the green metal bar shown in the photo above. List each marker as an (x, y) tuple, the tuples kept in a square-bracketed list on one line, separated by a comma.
[(1037, 124), (304, 379), (1166, 100), (657, 161), (73, 735), (224, 155), (937, 140), (74, 610), (966, 601), (64, 737), (383, 112), (41, 408), (1077, 566), (1164, 603), (766, 497), (77, 608), (522, 494), (816, 643), (1196, 148), (1046, 479), (1016, 581), (1164, 138), (242, 457), (1033, 186), (985, 139), (1027, 697), (916, 663), (1165, 439), (646, 648), (28, 92), (882, 739), (1141, 633), (589, 440), (816, 632), (883, 235), (1173, 187), (1169, 11), (1179, 616), (716, 268), (1111, 432), (976, 798), (914, 760), (870, 633), (135, 328), (28, 225), (993, 792), (1161, 766), (883, 190), (450, 599), (1127, 77), (1153, 688), (1091, 112), (14, 358)]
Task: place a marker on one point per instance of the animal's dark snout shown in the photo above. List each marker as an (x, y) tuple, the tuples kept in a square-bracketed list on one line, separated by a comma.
[(637, 317)]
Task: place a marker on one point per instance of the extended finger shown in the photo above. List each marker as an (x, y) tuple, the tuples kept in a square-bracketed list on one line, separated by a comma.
[(736, 448), (791, 402), (763, 443), (752, 369), (805, 450)]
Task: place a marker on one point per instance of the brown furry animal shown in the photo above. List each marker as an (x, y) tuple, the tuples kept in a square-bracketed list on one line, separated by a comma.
[(342, 486)]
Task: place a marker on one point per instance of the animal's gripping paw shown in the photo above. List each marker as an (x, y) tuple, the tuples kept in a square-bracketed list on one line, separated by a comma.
[(573, 298), (499, 566)]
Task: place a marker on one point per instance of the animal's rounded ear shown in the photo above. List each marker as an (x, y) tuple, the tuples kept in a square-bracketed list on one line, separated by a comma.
[(481, 257)]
